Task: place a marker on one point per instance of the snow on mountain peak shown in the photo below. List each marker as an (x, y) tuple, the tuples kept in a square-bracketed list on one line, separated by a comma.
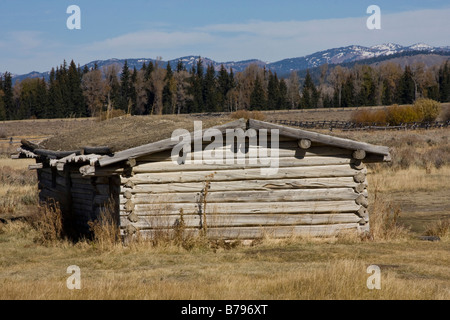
[(420, 46)]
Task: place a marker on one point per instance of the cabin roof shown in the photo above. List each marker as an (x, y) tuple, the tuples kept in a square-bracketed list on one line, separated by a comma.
[(161, 141)]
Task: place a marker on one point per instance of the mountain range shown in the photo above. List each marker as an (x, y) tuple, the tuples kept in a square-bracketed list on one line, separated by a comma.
[(343, 55)]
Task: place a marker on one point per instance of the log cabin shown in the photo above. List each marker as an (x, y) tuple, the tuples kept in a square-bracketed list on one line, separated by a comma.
[(275, 181)]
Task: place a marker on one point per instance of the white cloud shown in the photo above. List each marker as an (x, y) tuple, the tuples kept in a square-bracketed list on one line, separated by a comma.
[(265, 40), (150, 40)]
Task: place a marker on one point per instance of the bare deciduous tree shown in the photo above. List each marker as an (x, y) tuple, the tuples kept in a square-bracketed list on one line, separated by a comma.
[(94, 91)]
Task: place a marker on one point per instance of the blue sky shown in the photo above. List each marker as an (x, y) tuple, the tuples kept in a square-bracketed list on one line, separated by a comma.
[(34, 36)]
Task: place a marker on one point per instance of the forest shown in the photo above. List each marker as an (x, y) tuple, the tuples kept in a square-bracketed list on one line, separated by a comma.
[(72, 91)]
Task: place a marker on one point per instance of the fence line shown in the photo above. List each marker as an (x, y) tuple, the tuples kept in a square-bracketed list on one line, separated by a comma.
[(352, 126)]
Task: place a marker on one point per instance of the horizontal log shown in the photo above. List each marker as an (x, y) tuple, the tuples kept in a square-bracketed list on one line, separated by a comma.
[(88, 209), (83, 201), (304, 143), (102, 189), (81, 181), (192, 221), (78, 190), (260, 232), (155, 167), (248, 207), (362, 200), (127, 194), (102, 150), (101, 200), (319, 138), (56, 188), (35, 166), (290, 149), (360, 188), (358, 165), (55, 154), (28, 145), (88, 170), (363, 213), (248, 196), (52, 193), (360, 177), (247, 174), (359, 154), (338, 182)]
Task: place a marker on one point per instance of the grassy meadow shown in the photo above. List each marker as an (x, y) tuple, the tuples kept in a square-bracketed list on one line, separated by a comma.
[(408, 198)]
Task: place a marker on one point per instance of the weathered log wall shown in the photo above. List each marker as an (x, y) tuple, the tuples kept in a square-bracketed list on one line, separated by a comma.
[(81, 199), (317, 190)]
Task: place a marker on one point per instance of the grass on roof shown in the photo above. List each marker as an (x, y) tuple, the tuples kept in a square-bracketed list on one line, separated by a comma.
[(127, 132)]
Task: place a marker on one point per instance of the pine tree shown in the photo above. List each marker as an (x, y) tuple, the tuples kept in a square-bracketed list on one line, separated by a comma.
[(386, 98), (64, 104), (149, 70), (132, 103), (167, 91), (210, 93), (78, 106), (348, 93), (257, 97), (125, 88), (273, 92), (366, 95), (283, 102), (310, 95), (196, 88), (406, 88), (55, 102), (223, 86), (444, 82), (2, 105), (8, 97), (42, 99), (180, 66)]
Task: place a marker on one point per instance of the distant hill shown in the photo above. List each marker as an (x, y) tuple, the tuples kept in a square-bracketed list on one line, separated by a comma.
[(344, 56)]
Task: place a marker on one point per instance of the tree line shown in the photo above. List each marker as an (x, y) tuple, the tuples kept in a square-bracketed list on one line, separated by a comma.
[(72, 91)]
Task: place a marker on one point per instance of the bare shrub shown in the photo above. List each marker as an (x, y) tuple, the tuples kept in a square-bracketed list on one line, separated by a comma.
[(105, 229), (369, 116), (396, 115), (114, 113), (440, 228), (427, 109), (22, 177), (48, 222), (383, 219), (256, 115)]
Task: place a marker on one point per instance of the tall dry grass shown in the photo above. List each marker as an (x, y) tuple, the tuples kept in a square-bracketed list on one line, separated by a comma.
[(47, 220), (18, 188), (105, 229), (256, 115)]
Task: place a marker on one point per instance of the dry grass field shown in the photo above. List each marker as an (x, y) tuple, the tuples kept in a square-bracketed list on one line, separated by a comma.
[(408, 198)]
